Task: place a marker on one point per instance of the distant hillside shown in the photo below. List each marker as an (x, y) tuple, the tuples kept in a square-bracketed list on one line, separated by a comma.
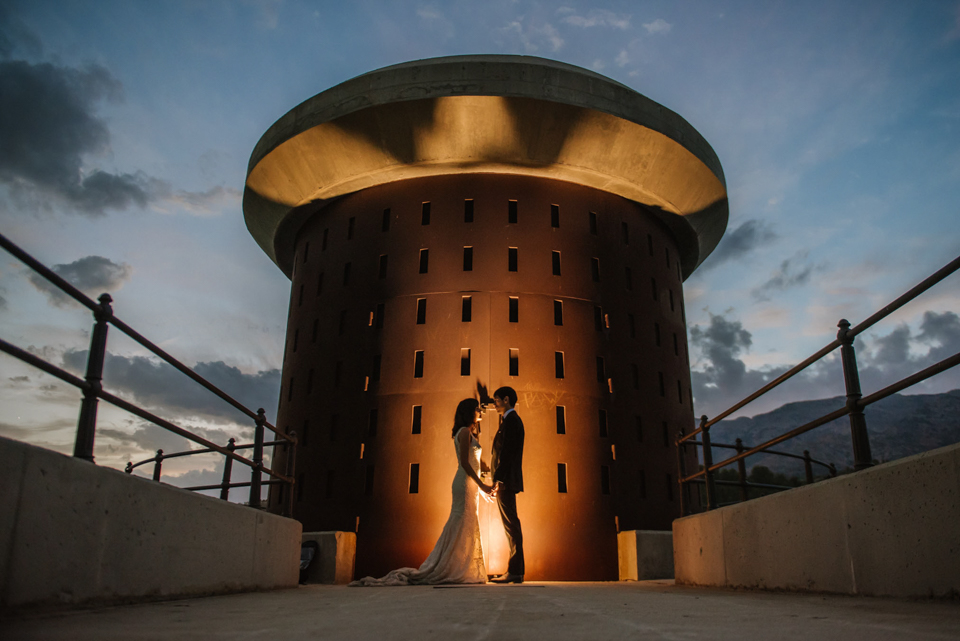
[(898, 426)]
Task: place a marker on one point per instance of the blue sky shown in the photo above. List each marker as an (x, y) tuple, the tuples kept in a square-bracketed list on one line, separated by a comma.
[(837, 124)]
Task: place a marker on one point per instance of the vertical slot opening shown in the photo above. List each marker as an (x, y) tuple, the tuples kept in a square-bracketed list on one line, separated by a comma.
[(414, 478), (418, 364), (425, 214), (464, 362), (468, 210), (421, 311), (605, 479), (382, 269), (562, 478), (512, 259), (385, 222), (514, 361), (466, 309), (468, 259), (514, 308), (511, 211), (603, 423), (593, 223), (558, 312), (555, 216), (558, 363), (415, 420), (595, 269), (424, 260), (561, 419), (555, 256)]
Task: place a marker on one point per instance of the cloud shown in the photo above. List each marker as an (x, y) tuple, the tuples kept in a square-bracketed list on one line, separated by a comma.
[(203, 203), (793, 272), (49, 126), (93, 275), (596, 18), (658, 26), (157, 385), (532, 38), (741, 241), (721, 378), (434, 20), (623, 58)]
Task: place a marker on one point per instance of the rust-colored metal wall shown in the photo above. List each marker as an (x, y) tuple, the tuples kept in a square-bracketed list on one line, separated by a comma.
[(354, 474)]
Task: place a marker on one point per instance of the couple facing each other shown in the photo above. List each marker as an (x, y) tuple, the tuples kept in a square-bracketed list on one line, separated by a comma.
[(458, 555)]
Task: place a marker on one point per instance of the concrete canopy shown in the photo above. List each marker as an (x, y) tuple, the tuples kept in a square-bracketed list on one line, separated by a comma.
[(517, 115)]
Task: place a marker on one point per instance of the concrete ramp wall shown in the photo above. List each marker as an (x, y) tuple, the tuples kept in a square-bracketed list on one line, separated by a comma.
[(75, 533), (893, 529)]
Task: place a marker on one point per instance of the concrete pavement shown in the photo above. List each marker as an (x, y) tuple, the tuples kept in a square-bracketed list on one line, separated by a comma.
[(555, 611)]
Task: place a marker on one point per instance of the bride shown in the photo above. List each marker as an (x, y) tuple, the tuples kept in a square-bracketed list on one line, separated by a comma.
[(458, 556)]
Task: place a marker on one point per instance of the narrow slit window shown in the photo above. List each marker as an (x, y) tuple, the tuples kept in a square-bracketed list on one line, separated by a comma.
[(662, 388), (466, 309), (290, 390), (296, 340), (346, 274), (628, 278), (598, 318), (593, 223), (558, 312), (601, 370), (624, 233), (653, 287), (418, 364), (323, 243), (676, 345), (605, 479), (342, 325), (561, 419), (320, 284), (337, 373), (666, 435), (414, 478), (639, 426), (595, 269), (642, 483), (424, 260), (512, 259), (514, 361), (679, 393), (464, 362), (632, 325), (425, 214), (562, 478), (511, 211), (304, 434), (468, 259), (603, 423), (382, 268), (380, 312), (421, 311), (300, 297), (558, 363), (666, 251), (310, 382), (555, 215), (514, 309), (372, 419), (556, 263), (635, 370), (385, 223), (468, 210), (650, 244), (351, 224), (670, 292), (656, 334), (415, 421), (306, 251), (334, 427), (368, 482), (377, 366)]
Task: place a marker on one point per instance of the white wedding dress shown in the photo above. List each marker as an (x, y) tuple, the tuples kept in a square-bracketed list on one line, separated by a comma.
[(458, 555)]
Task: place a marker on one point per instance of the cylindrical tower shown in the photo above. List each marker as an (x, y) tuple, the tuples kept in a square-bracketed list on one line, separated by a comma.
[(486, 221)]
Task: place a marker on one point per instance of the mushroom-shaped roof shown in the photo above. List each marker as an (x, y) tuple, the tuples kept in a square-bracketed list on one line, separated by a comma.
[(485, 114)]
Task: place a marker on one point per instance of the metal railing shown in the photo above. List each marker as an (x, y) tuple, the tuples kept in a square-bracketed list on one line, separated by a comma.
[(855, 402), (92, 388)]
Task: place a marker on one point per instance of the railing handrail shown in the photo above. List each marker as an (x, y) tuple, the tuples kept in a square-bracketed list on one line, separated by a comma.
[(854, 406), (88, 302), (165, 456)]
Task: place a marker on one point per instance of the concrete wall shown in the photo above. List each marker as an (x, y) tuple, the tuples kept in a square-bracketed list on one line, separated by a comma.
[(891, 530), (72, 532), (645, 555)]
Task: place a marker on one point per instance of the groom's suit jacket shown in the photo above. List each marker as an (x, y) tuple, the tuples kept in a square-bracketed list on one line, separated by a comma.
[(506, 460)]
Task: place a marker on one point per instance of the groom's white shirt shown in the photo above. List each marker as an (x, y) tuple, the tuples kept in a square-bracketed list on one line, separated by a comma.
[(508, 412)]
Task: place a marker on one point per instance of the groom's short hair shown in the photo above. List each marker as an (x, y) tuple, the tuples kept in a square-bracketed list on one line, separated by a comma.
[(506, 393)]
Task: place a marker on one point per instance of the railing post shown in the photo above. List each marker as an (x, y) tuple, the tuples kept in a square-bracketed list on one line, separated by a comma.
[(291, 448), (711, 488), (227, 471), (681, 474), (87, 423), (156, 465), (256, 471), (129, 468), (851, 378), (833, 470), (742, 471), (808, 466)]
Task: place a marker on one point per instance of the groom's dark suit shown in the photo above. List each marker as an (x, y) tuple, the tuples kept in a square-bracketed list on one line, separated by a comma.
[(506, 463)]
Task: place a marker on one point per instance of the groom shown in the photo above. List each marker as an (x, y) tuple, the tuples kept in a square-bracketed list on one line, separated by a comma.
[(506, 463)]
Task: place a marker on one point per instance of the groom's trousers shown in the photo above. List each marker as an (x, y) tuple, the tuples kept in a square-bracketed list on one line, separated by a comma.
[(507, 501)]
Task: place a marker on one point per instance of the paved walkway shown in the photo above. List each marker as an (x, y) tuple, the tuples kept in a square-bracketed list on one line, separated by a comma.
[(550, 611)]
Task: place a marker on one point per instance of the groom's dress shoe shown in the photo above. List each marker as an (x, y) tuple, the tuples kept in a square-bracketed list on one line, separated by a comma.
[(508, 578)]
